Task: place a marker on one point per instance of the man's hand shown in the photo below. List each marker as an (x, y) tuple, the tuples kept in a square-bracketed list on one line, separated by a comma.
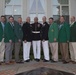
[(54, 39), (67, 41), (25, 41), (10, 41), (43, 40), (19, 40)]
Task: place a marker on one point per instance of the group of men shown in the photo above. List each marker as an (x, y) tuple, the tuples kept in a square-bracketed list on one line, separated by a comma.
[(62, 36)]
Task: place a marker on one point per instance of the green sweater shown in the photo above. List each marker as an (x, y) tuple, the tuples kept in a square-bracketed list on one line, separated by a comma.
[(73, 33), (9, 33), (53, 32), (1, 32), (64, 33), (18, 32)]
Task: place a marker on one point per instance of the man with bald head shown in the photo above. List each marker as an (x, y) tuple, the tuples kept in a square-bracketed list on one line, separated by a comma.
[(27, 38), (73, 39), (36, 39), (44, 32)]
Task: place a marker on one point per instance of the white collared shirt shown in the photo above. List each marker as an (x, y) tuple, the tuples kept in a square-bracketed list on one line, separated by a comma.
[(72, 24)]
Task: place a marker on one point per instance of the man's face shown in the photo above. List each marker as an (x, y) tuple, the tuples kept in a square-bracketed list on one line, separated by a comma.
[(3, 19), (20, 20), (11, 20), (62, 19), (50, 21), (72, 19), (35, 19), (44, 19), (28, 19)]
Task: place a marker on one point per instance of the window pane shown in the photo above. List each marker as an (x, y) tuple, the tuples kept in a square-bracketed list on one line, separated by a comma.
[(13, 2), (17, 10), (8, 10), (41, 6), (55, 2), (9, 2), (17, 2), (32, 16), (38, 5), (56, 10), (32, 7), (40, 16), (65, 10), (63, 1)]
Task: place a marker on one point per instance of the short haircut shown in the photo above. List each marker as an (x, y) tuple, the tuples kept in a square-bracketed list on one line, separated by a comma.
[(51, 18), (63, 17), (3, 16), (11, 17)]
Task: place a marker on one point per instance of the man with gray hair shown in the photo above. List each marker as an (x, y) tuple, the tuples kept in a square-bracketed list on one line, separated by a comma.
[(44, 33), (73, 39), (27, 38), (2, 44)]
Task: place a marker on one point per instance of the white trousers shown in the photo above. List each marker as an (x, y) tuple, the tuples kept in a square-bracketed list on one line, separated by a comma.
[(2, 51), (37, 49), (26, 50), (73, 51), (45, 46), (54, 50)]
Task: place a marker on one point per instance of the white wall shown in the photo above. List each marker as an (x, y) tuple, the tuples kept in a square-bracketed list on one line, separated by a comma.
[(2, 7), (72, 8), (24, 9), (49, 8)]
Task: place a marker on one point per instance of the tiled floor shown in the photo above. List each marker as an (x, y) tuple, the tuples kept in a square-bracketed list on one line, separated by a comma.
[(19, 68), (7, 72)]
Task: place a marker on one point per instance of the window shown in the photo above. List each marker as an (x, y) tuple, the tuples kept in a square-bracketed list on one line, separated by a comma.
[(36, 8), (60, 7), (13, 7)]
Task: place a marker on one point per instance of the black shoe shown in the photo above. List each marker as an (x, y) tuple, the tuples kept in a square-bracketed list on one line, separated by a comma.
[(45, 60), (37, 60), (53, 61), (27, 60)]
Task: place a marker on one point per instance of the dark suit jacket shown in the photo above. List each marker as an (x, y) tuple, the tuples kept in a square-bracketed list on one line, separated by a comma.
[(27, 32), (73, 33), (36, 27), (44, 31)]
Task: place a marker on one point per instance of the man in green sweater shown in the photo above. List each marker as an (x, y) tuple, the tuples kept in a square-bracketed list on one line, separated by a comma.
[(18, 39), (73, 39), (64, 36), (53, 39), (2, 44), (9, 40)]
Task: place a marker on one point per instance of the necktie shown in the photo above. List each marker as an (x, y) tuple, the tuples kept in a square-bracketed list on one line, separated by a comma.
[(12, 25)]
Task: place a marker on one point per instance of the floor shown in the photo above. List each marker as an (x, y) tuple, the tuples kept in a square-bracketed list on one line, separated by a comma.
[(23, 67)]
